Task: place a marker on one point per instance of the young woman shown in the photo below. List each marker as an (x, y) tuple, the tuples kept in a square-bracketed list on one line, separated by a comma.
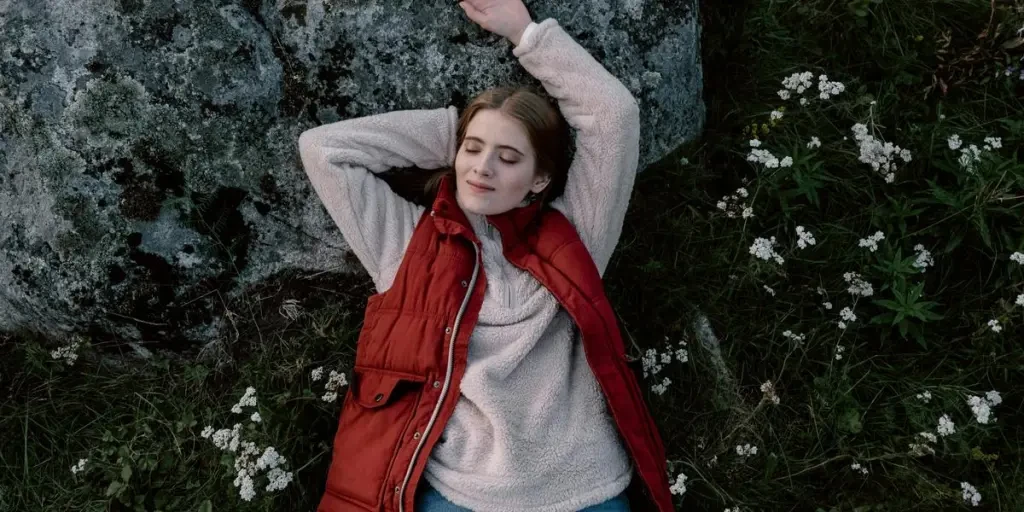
[(490, 374)]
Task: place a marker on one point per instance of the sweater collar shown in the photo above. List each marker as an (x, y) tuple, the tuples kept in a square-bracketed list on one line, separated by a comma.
[(514, 225)]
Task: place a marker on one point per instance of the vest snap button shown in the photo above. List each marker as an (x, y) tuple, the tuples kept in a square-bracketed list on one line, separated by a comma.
[(464, 284), (433, 213), (416, 435), (379, 397), (447, 330), (437, 383), (398, 489)]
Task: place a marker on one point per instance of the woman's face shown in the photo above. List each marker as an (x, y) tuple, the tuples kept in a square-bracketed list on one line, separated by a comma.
[(495, 166)]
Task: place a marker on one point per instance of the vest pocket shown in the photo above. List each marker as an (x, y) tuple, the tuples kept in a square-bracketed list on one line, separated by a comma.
[(378, 410)]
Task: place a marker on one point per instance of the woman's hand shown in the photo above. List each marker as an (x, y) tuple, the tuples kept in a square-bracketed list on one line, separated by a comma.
[(507, 18)]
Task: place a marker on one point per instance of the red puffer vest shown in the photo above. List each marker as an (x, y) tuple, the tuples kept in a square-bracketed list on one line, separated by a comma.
[(411, 355)]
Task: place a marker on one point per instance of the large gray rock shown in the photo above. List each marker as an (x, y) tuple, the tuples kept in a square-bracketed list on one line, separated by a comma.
[(148, 164)]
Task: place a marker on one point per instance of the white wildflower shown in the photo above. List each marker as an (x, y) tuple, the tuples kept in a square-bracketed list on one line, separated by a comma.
[(848, 315), (827, 304), (856, 466), (769, 392), (1020, 300), (763, 248), (994, 324), (993, 143), (858, 286), (954, 142), (79, 467), (871, 242), (660, 389), (786, 162), (806, 237), (679, 486), (879, 155), (207, 432), (784, 94), (981, 408), (68, 353), (946, 426), (754, 143), (247, 400), (994, 398), (769, 290), (317, 373), (925, 396), (799, 338), (1017, 257), (329, 396), (776, 115), (279, 479), (256, 418), (924, 258), (746, 450), (650, 363), (923, 445), (814, 143), (970, 494), (839, 352)]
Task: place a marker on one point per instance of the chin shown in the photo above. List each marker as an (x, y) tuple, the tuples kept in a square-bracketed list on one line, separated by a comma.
[(477, 206)]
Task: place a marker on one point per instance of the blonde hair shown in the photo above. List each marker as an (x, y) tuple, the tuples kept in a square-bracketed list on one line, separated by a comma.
[(545, 127)]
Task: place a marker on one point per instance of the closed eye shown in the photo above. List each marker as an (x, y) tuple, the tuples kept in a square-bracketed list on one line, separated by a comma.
[(474, 151)]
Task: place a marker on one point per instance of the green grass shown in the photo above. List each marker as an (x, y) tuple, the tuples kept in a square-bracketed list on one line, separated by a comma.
[(932, 68)]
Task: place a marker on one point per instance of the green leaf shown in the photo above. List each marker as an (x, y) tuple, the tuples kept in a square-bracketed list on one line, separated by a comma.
[(126, 473), (206, 506), (770, 465), (850, 421), (115, 487)]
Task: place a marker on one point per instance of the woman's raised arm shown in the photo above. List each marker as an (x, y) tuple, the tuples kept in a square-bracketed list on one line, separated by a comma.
[(340, 159)]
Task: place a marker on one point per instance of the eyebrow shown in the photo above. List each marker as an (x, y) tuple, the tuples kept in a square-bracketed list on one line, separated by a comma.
[(478, 139)]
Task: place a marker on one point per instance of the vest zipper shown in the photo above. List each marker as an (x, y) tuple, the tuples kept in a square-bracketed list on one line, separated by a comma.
[(447, 376)]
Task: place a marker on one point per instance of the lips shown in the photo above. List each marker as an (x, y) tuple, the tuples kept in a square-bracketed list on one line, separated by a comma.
[(478, 187)]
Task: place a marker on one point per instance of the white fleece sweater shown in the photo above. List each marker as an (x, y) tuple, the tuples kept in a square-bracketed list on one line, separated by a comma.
[(531, 430)]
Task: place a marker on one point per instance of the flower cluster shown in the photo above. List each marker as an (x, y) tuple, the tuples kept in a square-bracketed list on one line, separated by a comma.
[(982, 406), (769, 392), (733, 206), (814, 143), (971, 155), (746, 450), (799, 338), (679, 486), (858, 286), (801, 82), (806, 238), (923, 445), (856, 466), (880, 155), (334, 382), (764, 248), (847, 316), (871, 242), (994, 325), (925, 396), (970, 494), (247, 400), (249, 461), (839, 352), (654, 362), (765, 157), (68, 353), (79, 467), (946, 426), (924, 258)]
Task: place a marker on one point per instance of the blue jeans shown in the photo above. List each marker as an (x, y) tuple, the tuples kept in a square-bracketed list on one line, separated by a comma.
[(429, 500)]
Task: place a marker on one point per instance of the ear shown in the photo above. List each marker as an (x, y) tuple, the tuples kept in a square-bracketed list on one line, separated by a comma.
[(540, 183)]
